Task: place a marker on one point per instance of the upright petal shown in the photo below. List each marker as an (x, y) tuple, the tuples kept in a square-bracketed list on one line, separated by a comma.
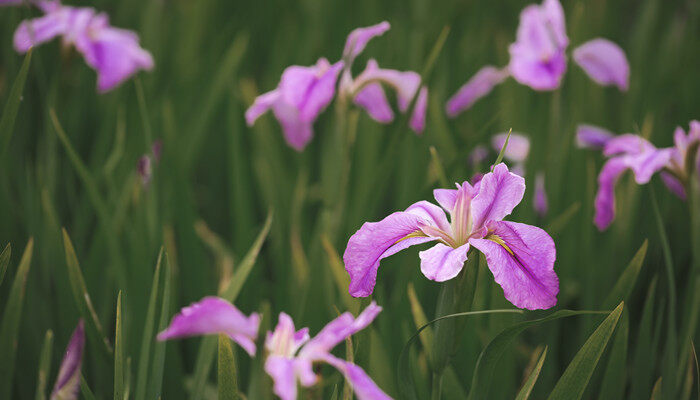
[(592, 137), (431, 214), (646, 164), (518, 146), (363, 386), (605, 198), (477, 87), (358, 39), (282, 372), (441, 263), (673, 184), (373, 100), (417, 121), (604, 62), (374, 241), (261, 105), (446, 198), (521, 258), (499, 192), (213, 315), (338, 330), (310, 89), (67, 383), (39, 30), (285, 340)]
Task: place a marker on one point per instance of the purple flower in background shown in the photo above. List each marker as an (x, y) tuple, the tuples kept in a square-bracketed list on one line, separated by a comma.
[(516, 152), (592, 137), (67, 383), (538, 58), (478, 156), (540, 203), (676, 174), (10, 2), (291, 355), (521, 257), (114, 53), (145, 169), (214, 315), (357, 40)]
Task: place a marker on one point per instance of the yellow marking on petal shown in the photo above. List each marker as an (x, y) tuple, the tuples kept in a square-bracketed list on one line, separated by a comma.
[(500, 241), (417, 233)]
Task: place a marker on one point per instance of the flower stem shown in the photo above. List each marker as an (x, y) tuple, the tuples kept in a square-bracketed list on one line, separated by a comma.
[(437, 387)]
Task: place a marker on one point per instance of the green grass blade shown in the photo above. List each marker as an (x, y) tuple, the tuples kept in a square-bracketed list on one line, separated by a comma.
[(156, 377), (148, 335), (419, 318), (44, 366), (228, 382), (525, 391), (503, 149), (615, 377), (488, 359), (5, 261), (643, 363), (85, 389), (207, 349), (9, 113), (10, 323), (625, 284), (575, 379), (82, 297), (562, 220), (119, 384)]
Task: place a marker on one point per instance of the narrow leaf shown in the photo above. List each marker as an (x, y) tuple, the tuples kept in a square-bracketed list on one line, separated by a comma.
[(9, 113), (503, 150), (119, 352), (575, 379), (560, 222), (156, 377), (615, 377), (643, 365), (5, 261), (525, 391), (85, 389), (44, 366), (10, 323), (228, 384), (622, 289), (148, 335), (419, 318)]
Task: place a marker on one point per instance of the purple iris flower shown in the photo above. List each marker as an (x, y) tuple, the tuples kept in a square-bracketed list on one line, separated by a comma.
[(114, 53), (521, 257), (516, 152), (538, 58), (67, 383), (540, 203), (304, 92), (291, 355), (592, 137), (214, 315)]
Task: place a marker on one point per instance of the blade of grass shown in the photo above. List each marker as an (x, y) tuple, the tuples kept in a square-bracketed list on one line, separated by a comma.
[(340, 277), (119, 388), (156, 377), (148, 336), (419, 318), (503, 150), (525, 391), (615, 377), (625, 284), (9, 113), (5, 261), (10, 322), (643, 363), (85, 389), (228, 383), (576, 376), (560, 222), (44, 366)]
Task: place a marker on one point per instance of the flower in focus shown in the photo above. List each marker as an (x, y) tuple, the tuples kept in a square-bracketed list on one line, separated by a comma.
[(291, 354), (521, 257), (67, 383), (214, 315), (516, 152), (540, 203), (538, 58), (114, 53)]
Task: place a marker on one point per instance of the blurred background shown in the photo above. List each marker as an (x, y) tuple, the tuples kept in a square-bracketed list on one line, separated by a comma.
[(217, 181)]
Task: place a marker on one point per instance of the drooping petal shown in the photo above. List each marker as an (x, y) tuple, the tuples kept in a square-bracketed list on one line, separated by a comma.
[(521, 258), (441, 263), (282, 372), (262, 104), (518, 146), (363, 386), (605, 198), (67, 383), (297, 133), (499, 192), (373, 100), (477, 87), (405, 83), (39, 30), (358, 39), (592, 137), (648, 163), (338, 330), (540, 201), (213, 315), (673, 184), (417, 121), (604, 62), (374, 241)]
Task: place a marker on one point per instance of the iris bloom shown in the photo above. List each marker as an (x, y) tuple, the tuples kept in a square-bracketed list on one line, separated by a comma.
[(635, 153), (291, 355), (304, 92), (114, 53), (538, 58), (67, 383), (521, 257), (516, 152), (540, 203)]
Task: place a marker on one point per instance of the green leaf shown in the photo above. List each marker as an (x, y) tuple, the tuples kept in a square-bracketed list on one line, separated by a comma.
[(9, 113), (228, 383), (85, 389), (419, 318), (489, 357), (615, 377), (643, 364), (5, 261), (404, 376), (207, 350), (572, 384), (563, 219), (156, 377), (439, 170), (44, 366), (503, 150), (119, 387), (148, 335), (82, 297), (10, 323), (622, 289), (525, 391)]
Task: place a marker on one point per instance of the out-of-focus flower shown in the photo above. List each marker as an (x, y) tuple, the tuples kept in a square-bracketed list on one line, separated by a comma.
[(521, 257), (357, 39), (145, 169), (67, 383), (157, 149), (114, 53), (604, 62), (540, 203), (214, 315), (678, 174), (478, 156), (516, 152), (292, 353), (10, 2), (538, 58), (592, 137)]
